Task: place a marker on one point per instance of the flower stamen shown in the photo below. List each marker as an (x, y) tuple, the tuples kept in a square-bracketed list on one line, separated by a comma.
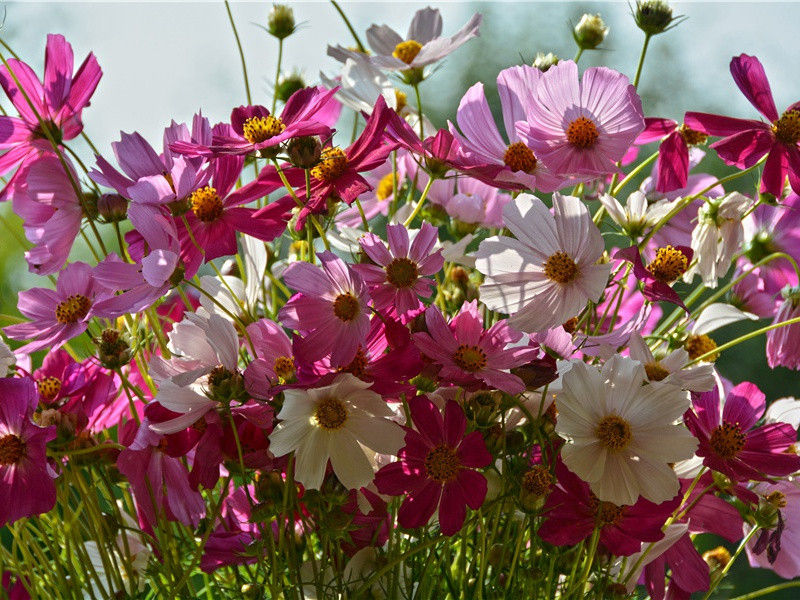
[(582, 133), (206, 204), (333, 162), (260, 129), (73, 309), (442, 464), (560, 268)]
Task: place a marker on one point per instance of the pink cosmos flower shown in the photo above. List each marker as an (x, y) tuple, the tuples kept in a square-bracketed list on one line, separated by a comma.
[(401, 273), (672, 167), (330, 309), (475, 202), (668, 265), (27, 479), (731, 444), (51, 212), (572, 512), (482, 140), (582, 128), (783, 343), (274, 364), (746, 141), (436, 468), (470, 356), (61, 314), (308, 112), (58, 101), (750, 296), (786, 561)]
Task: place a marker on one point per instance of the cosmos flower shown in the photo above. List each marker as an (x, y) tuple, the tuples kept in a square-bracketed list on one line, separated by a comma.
[(336, 422), (582, 127), (544, 276), (671, 368), (672, 167), (783, 343), (668, 265)]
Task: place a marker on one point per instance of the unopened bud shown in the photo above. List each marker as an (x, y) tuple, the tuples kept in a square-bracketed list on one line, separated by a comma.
[(288, 85), (112, 207), (590, 32), (304, 152), (112, 350), (280, 22), (545, 61), (653, 16)]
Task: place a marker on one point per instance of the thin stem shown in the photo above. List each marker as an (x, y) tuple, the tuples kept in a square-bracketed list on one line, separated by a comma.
[(641, 61), (768, 590), (634, 173), (419, 111), (578, 55), (727, 568), (241, 52), (338, 8), (277, 75), (418, 207)]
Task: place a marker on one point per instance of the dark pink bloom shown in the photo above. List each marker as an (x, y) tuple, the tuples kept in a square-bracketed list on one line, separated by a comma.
[(783, 343), (688, 572), (746, 141), (274, 364), (731, 444), (234, 541), (310, 111), (672, 167), (436, 468), (330, 311), (572, 512), (26, 478), (471, 356), (61, 314), (370, 521), (402, 272), (58, 101), (669, 264)]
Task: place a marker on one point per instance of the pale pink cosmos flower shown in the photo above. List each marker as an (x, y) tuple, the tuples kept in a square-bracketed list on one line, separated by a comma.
[(330, 309), (402, 271), (582, 127), (544, 275)]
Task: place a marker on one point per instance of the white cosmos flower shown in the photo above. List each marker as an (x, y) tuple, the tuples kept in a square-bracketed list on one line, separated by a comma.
[(335, 422), (670, 369), (718, 235), (638, 214), (544, 275), (621, 436), (360, 84)]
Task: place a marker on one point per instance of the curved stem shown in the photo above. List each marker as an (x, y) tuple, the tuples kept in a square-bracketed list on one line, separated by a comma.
[(634, 173), (421, 201), (641, 61), (241, 52), (768, 590), (338, 8), (727, 568)]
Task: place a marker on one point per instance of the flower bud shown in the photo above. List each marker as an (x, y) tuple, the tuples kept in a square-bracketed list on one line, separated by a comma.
[(288, 85), (280, 22), (653, 16), (590, 32), (545, 61), (304, 152), (112, 207), (112, 350)]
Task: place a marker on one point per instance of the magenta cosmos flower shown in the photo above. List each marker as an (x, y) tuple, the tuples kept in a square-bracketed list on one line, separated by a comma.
[(668, 265), (26, 479), (402, 271), (672, 167), (783, 343), (58, 101), (746, 141), (330, 309), (58, 315), (274, 363), (731, 444), (470, 356), (310, 111), (481, 139), (572, 513), (582, 127), (437, 468)]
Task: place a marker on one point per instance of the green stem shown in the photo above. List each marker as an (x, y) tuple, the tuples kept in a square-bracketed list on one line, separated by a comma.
[(338, 8), (768, 590), (578, 55), (277, 75), (727, 568), (421, 201), (649, 160), (419, 112), (241, 52), (641, 61)]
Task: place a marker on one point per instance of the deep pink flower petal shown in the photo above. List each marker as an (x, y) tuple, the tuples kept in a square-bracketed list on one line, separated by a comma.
[(749, 75), (427, 419), (473, 487), (775, 170), (719, 125), (673, 163), (418, 508), (744, 405), (746, 148), (452, 509), (455, 423), (655, 129), (472, 451)]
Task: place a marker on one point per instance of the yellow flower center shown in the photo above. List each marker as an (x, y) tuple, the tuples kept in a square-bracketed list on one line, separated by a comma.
[(260, 129), (537, 481), (442, 464), (655, 372), (614, 433), (727, 440), (582, 133), (12, 449), (401, 99), (518, 157), (669, 264), (331, 414), (48, 387), (698, 345), (691, 136), (346, 307), (333, 162), (776, 499), (206, 204), (560, 268), (402, 272), (73, 309), (470, 358), (787, 128), (385, 187), (407, 51), (284, 368), (718, 558), (357, 366)]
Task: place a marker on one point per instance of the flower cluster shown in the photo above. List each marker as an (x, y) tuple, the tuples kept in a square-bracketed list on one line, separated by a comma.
[(463, 360)]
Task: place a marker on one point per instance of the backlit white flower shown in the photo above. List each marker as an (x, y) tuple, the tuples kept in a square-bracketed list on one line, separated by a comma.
[(621, 436), (336, 422), (638, 215), (544, 275), (670, 368), (360, 83)]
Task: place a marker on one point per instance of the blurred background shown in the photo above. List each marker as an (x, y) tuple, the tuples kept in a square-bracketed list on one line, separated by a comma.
[(164, 61)]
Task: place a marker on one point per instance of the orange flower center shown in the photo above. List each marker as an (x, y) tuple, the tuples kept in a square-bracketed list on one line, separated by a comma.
[(614, 433), (518, 157), (260, 129), (357, 366), (73, 309), (12, 449), (442, 464), (407, 51), (727, 440), (560, 268), (691, 136), (470, 358), (331, 414), (346, 307), (48, 387), (402, 272), (787, 128), (206, 204), (284, 368), (333, 162), (582, 133), (607, 513), (669, 264)]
